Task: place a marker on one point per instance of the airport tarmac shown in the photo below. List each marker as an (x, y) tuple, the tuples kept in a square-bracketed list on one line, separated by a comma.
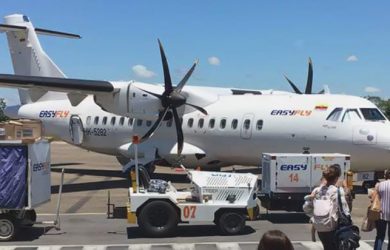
[(89, 177)]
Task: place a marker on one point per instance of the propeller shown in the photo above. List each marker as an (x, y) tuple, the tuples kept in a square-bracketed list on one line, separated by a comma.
[(171, 99), (309, 83)]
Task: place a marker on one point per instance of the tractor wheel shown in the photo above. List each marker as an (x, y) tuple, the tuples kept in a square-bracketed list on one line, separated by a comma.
[(231, 223), (158, 218)]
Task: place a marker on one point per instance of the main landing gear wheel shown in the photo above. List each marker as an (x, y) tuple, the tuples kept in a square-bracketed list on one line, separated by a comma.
[(231, 223), (8, 227), (158, 219)]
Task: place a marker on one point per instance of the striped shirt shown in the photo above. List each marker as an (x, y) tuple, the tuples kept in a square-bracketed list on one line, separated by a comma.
[(384, 193)]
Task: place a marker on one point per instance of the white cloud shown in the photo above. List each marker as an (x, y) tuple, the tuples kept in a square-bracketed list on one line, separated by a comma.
[(370, 89), (352, 58), (142, 71), (214, 60)]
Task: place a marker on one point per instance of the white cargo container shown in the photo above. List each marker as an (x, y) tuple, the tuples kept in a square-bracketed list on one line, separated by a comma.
[(287, 178)]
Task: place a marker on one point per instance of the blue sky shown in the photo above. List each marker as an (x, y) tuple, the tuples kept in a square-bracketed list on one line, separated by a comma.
[(247, 44)]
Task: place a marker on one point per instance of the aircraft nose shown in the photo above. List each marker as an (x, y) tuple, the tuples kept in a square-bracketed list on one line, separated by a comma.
[(12, 112), (384, 137)]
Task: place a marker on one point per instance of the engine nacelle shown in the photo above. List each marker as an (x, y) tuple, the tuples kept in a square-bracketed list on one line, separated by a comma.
[(129, 99)]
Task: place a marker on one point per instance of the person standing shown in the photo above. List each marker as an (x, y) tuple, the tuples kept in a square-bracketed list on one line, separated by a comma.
[(383, 189), (323, 206)]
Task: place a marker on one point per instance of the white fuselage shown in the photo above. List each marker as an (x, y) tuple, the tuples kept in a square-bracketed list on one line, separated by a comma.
[(253, 124)]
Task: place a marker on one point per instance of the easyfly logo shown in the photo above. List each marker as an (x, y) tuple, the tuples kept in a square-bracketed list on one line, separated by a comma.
[(293, 167), (41, 166)]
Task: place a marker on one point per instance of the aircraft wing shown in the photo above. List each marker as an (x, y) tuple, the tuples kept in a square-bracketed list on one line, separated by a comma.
[(76, 89), (56, 84)]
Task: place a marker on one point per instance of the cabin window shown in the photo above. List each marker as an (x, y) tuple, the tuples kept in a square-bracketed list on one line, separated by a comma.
[(130, 123), (200, 123), (113, 120), (351, 115), (372, 114), (169, 123), (190, 122), (335, 115), (89, 120), (96, 121), (259, 124), (247, 124), (139, 122), (148, 123), (104, 120), (212, 123), (234, 123), (121, 121), (222, 124)]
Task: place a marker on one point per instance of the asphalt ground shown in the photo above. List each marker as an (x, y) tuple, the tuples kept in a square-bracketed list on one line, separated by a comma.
[(90, 176)]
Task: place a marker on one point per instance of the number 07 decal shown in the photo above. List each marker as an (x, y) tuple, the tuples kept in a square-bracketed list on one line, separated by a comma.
[(189, 212)]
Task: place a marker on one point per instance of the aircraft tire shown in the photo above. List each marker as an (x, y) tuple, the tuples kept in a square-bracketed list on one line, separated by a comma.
[(8, 227), (158, 219), (231, 223)]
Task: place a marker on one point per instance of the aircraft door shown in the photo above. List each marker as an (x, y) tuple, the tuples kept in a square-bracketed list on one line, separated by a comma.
[(246, 126), (76, 130)]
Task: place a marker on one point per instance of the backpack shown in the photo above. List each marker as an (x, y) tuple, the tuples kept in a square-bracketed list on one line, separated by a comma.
[(347, 235), (325, 214)]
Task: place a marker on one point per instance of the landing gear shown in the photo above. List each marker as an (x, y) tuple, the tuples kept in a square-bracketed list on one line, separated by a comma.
[(150, 167)]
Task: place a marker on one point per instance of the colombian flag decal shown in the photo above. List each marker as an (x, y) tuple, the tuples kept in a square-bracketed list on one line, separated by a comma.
[(322, 107)]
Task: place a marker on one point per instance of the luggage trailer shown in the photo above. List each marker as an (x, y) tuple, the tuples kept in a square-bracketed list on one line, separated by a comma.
[(24, 185)]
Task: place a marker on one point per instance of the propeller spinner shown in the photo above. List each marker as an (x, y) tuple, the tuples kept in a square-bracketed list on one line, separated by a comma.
[(171, 99)]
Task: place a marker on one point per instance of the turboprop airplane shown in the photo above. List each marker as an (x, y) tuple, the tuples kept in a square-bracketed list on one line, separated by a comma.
[(198, 126)]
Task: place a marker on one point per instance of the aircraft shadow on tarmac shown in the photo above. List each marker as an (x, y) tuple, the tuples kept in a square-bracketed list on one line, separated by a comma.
[(34, 233), (107, 184), (188, 231), (285, 218)]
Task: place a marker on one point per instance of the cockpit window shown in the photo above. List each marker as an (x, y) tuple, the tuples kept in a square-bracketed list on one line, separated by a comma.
[(372, 114), (335, 115), (351, 115)]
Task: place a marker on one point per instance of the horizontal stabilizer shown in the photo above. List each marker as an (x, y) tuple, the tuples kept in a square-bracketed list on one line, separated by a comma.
[(56, 33), (56, 84), (7, 27)]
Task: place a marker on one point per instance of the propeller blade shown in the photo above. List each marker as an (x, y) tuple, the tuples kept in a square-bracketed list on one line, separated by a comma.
[(321, 92), (293, 85), (181, 84), (198, 108), (153, 94), (309, 83), (179, 131), (167, 76), (155, 125)]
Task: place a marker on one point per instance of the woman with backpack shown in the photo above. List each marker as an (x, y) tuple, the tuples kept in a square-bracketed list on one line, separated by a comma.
[(323, 207), (383, 189)]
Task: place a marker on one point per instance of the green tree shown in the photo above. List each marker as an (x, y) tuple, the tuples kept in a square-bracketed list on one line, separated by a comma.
[(2, 107)]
